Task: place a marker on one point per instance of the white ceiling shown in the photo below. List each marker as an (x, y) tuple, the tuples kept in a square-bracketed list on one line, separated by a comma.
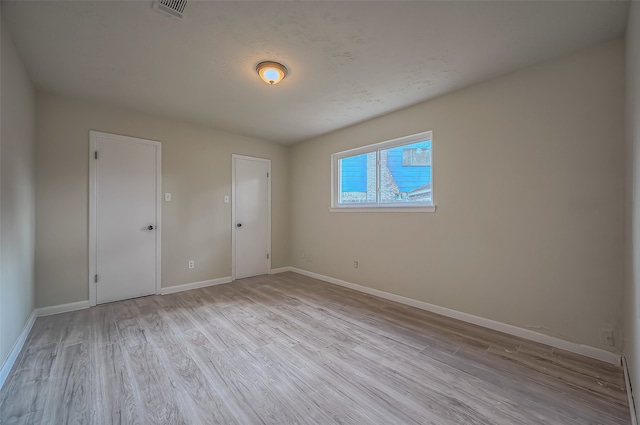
[(349, 60)]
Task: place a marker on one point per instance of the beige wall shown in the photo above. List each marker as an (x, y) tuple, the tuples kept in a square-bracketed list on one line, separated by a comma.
[(196, 169), (632, 280), (529, 191), (17, 114)]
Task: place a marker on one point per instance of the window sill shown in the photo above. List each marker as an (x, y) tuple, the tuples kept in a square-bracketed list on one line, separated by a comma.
[(389, 209)]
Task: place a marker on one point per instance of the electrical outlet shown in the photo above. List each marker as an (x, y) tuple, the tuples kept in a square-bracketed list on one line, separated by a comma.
[(192, 264), (607, 337), (355, 264)]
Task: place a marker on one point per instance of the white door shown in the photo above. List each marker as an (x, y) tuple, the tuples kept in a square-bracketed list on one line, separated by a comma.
[(125, 187), (251, 216)]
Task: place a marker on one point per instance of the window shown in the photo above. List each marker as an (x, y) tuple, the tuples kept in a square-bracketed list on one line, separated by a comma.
[(395, 175)]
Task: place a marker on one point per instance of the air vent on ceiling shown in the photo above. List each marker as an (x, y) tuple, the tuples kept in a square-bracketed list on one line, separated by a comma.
[(171, 7)]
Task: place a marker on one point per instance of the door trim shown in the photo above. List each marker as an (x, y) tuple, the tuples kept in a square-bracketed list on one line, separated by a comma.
[(93, 138), (233, 210)]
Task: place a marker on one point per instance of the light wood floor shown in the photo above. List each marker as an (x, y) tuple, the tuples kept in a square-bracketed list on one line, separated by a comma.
[(287, 349)]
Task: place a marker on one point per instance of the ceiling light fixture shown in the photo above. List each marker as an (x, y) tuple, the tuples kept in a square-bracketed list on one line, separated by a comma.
[(271, 72)]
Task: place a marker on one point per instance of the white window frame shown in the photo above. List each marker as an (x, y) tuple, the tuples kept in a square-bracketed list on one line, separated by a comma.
[(376, 207)]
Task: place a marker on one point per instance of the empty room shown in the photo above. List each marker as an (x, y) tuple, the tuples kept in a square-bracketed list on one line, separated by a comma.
[(319, 212)]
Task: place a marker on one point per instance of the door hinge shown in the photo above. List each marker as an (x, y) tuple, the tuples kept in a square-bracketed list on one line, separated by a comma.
[(95, 154), (267, 256), (267, 175), (95, 278)]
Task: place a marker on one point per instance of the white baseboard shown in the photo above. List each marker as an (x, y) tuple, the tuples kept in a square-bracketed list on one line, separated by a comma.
[(627, 381), (195, 285), (281, 270), (62, 308), (17, 347), (585, 350), (80, 305)]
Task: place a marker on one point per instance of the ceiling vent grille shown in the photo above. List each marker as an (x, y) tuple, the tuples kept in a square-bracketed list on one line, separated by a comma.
[(171, 7)]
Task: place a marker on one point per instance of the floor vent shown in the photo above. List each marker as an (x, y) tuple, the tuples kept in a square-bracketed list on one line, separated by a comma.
[(171, 7)]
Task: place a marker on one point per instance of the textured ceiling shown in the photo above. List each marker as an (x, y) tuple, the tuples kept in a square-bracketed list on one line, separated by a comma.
[(349, 60)]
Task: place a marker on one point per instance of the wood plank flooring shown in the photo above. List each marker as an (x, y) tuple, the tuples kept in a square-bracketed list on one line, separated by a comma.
[(287, 349)]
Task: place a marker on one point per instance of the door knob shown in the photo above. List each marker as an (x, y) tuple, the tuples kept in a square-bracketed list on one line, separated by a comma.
[(239, 225), (149, 227)]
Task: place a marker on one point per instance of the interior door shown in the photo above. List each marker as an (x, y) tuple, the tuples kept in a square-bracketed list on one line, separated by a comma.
[(126, 216), (251, 217)]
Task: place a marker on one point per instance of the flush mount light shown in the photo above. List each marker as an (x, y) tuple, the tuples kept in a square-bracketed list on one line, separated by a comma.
[(271, 72)]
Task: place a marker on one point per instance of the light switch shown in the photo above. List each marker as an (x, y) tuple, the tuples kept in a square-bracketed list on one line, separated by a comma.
[(167, 197), (226, 199)]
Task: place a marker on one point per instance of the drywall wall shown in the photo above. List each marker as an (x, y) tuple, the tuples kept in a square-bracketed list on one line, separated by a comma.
[(196, 169), (632, 278), (528, 183), (17, 212)]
